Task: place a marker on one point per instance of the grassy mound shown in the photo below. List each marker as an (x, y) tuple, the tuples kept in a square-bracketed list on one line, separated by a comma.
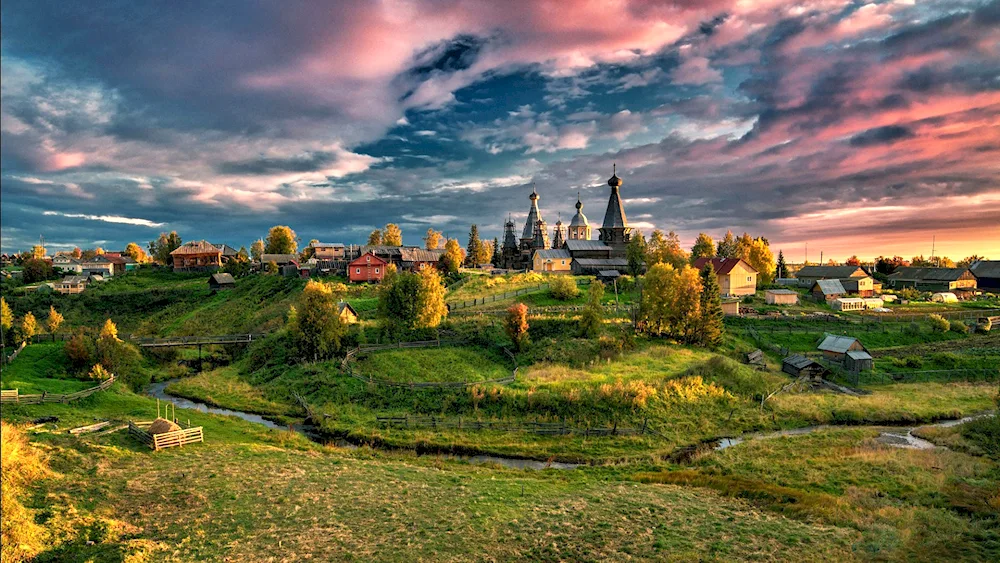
[(41, 368), (432, 365)]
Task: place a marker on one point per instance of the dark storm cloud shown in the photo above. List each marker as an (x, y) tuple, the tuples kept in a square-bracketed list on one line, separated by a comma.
[(881, 135)]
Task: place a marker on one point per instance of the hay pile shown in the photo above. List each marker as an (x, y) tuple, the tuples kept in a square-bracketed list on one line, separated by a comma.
[(161, 425)]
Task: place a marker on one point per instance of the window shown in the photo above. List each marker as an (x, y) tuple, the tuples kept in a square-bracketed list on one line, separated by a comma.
[(376, 270), (357, 270), (749, 279), (368, 258), (564, 262)]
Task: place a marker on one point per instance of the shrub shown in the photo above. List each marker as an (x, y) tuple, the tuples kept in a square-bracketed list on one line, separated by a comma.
[(913, 329), (98, 373), (939, 323), (959, 327), (563, 288), (516, 325), (909, 293), (985, 325), (946, 359), (79, 349)]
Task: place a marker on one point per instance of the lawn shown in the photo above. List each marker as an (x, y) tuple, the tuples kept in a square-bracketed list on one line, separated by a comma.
[(41, 368), (223, 388), (439, 364)]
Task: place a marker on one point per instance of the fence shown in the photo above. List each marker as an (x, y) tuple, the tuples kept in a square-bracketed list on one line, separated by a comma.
[(176, 438), (542, 428), (496, 297), (150, 342), (12, 395), (348, 367), (616, 309)]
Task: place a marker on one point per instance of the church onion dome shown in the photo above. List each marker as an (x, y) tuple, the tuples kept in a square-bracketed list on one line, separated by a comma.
[(614, 181), (579, 220)]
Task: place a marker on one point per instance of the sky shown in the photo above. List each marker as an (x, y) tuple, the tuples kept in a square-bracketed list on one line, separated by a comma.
[(850, 127)]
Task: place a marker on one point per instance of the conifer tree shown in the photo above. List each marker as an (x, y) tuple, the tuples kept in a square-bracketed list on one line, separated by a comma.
[(474, 249), (711, 326), (781, 269), (727, 246)]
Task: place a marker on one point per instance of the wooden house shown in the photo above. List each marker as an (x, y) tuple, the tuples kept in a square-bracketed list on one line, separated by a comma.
[(862, 286), (67, 263), (71, 285), (414, 259), (987, 274), (781, 297), (827, 290), (366, 268), (836, 347), (194, 256), (736, 277), (858, 360), (347, 313), (933, 279), (221, 280), (801, 366), (329, 250), (100, 264), (228, 252), (553, 260), (808, 275)]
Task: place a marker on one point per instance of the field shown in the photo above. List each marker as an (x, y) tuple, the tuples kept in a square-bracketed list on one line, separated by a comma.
[(249, 493)]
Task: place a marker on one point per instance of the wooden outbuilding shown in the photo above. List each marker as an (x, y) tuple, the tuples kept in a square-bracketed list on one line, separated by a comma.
[(731, 307), (366, 268), (827, 290), (608, 276), (347, 313), (808, 275), (221, 280), (552, 260), (835, 347), (858, 360), (801, 366), (781, 297), (933, 279), (198, 255), (987, 274)]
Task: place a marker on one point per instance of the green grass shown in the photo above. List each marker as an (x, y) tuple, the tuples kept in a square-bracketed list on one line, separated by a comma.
[(222, 387), (41, 368), (432, 365)]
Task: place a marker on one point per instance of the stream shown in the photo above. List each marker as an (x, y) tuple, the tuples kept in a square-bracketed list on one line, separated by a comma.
[(158, 391)]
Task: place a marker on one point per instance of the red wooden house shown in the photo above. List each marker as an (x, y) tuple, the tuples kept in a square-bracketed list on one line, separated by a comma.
[(366, 268)]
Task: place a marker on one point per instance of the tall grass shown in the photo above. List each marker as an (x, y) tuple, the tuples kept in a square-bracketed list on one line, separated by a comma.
[(20, 465)]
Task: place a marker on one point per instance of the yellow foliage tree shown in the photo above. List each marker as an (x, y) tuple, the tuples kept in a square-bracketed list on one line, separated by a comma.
[(315, 323), (762, 259), (431, 307), (281, 240), (29, 327), (136, 252), (391, 235), (109, 331), (432, 240), (55, 319)]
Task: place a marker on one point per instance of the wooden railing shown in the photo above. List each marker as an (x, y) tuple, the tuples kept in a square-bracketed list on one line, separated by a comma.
[(12, 396), (176, 438), (197, 340)]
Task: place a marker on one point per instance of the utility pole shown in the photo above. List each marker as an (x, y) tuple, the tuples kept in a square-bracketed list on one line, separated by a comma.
[(933, 247)]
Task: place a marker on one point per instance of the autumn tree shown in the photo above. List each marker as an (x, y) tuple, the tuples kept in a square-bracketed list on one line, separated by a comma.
[(281, 239), (29, 327), (970, 260), (76, 253), (563, 288), (432, 239), (592, 318), (665, 249), (452, 258), (760, 257), (488, 250), (399, 302), (727, 246), (316, 326), (474, 249), (920, 262), (78, 349), (635, 253), (109, 331), (781, 268), (256, 249), (161, 248), (6, 321), (375, 237), (431, 308), (37, 252), (391, 235), (886, 266), (704, 247), (711, 326), (516, 325), (853, 261), (54, 320), (671, 302)]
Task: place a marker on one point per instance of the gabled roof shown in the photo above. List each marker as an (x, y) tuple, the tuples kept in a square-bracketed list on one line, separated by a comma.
[(606, 263), (928, 274), (114, 259), (74, 280), (830, 272), (420, 255), (859, 355), (837, 344), (853, 284), (328, 245), (226, 249), (553, 254), (722, 265), (279, 259), (586, 245), (374, 259), (986, 269), (609, 273), (781, 292), (223, 278), (798, 361), (345, 305), (196, 247), (829, 287), (99, 259)]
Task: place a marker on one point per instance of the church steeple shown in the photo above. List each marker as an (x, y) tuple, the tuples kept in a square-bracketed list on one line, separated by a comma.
[(615, 231), (557, 235), (579, 228)]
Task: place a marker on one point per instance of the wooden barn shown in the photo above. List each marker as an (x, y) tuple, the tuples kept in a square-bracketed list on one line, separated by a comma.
[(801, 366), (781, 297), (858, 360), (827, 290), (221, 280), (347, 313), (196, 256), (366, 268), (933, 279), (987, 274), (836, 347), (808, 275)]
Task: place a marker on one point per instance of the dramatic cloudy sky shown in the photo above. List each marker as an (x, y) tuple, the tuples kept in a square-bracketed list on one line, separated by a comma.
[(853, 126)]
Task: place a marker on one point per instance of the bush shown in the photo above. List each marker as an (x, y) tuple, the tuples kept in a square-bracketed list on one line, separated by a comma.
[(959, 327), (563, 288), (913, 329), (939, 323)]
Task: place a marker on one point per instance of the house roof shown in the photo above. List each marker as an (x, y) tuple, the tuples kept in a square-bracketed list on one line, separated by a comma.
[(830, 272), (798, 361), (852, 284), (986, 268), (829, 287), (607, 263), (781, 292), (552, 254), (226, 249), (361, 259), (586, 245), (279, 259), (222, 278), (195, 247), (928, 274), (115, 259), (74, 280), (837, 344), (722, 266), (609, 273), (849, 300), (420, 255), (99, 259), (345, 305), (859, 355), (328, 245)]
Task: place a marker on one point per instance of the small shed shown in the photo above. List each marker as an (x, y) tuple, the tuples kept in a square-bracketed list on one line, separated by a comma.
[(608, 276), (347, 313), (827, 290), (848, 304), (874, 302), (801, 366), (731, 308), (944, 297), (836, 347), (858, 360), (781, 297), (222, 280)]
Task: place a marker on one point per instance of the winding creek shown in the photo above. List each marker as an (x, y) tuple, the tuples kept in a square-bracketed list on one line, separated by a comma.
[(895, 436)]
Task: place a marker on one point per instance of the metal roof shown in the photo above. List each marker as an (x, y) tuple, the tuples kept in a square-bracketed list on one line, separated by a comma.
[(830, 272), (837, 344), (722, 265), (586, 245), (553, 254), (610, 262), (798, 360), (830, 287), (781, 292), (279, 259), (986, 268), (196, 247), (932, 274), (859, 355), (223, 277)]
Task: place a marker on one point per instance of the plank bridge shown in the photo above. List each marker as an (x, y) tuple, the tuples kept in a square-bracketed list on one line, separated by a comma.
[(174, 341)]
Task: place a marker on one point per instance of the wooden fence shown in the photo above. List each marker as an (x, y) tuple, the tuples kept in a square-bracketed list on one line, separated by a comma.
[(348, 367), (12, 396), (496, 297), (541, 428), (177, 438)]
